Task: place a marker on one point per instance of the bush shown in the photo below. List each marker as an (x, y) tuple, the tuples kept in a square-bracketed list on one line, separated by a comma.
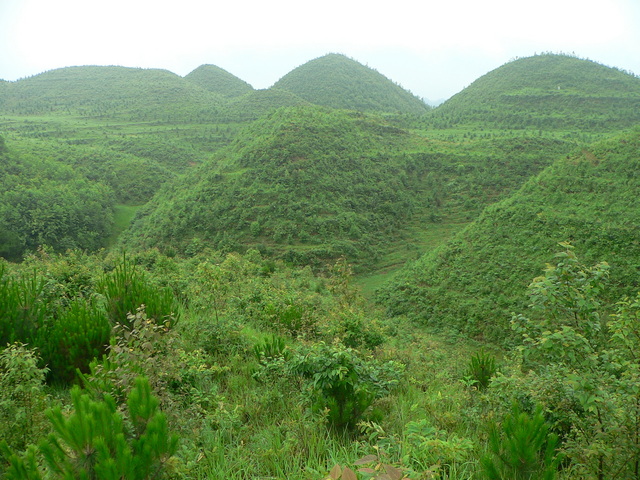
[(126, 288), (521, 448), (341, 383), (79, 335), (97, 442), (22, 397), (482, 367)]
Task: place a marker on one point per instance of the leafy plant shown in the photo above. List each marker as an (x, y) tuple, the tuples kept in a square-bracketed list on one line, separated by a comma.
[(22, 397), (341, 384), (79, 335), (270, 348), (126, 288)]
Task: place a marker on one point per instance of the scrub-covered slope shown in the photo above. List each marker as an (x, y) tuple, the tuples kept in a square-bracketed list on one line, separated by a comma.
[(340, 82), (546, 92), (590, 199)]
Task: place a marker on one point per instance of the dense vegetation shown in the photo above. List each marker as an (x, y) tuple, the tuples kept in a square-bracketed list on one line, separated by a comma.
[(312, 184), (217, 80), (546, 92), (232, 340), (589, 198), (339, 82)]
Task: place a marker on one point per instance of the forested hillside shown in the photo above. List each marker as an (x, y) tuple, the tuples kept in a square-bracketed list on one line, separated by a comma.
[(548, 92), (474, 282), (111, 92), (339, 82), (43, 202), (217, 80), (312, 184)]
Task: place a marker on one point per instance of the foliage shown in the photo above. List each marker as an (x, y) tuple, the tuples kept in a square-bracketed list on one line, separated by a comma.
[(341, 384), (96, 441), (270, 349), (22, 397), (126, 288), (79, 334), (481, 368), (546, 91), (45, 203), (589, 198), (521, 447), (339, 82), (141, 347)]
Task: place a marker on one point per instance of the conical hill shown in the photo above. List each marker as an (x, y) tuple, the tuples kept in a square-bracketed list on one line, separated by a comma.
[(308, 184), (590, 199), (546, 92), (96, 91), (218, 80), (340, 82)]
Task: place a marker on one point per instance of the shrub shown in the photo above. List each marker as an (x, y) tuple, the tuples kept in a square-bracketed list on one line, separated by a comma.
[(341, 383), (521, 448), (481, 368), (126, 288), (79, 335), (97, 442), (22, 397)]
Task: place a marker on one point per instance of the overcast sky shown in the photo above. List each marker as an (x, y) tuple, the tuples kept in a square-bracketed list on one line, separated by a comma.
[(433, 49)]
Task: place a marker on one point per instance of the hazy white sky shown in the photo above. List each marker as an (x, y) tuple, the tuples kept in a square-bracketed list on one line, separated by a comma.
[(432, 48)]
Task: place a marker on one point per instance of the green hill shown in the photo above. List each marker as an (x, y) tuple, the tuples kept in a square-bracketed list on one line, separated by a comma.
[(43, 202), (546, 92), (257, 103), (94, 91), (590, 199), (340, 82), (218, 80), (310, 184), (306, 183)]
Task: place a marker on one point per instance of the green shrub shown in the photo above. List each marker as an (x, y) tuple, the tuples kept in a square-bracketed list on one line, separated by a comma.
[(271, 348), (22, 310), (22, 397), (341, 383), (126, 288), (521, 448), (97, 442), (481, 368), (79, 335)]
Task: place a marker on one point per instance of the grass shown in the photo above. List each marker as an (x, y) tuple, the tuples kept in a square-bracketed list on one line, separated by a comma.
[(123, 215)]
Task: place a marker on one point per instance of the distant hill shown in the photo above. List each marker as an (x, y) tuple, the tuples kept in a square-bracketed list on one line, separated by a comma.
[(95, 91), (257, 103), (546, 92), (218, 80), (590, 198), (340, 82), (306, 183), (311, 183)]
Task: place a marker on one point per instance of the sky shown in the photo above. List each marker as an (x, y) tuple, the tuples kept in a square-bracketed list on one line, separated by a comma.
[(432, 48)]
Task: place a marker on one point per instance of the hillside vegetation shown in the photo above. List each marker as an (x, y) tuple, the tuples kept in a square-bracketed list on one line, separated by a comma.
[(312, 184), (218, 80), (337, 81), (475, 281), (548, 92), (184, 261)]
